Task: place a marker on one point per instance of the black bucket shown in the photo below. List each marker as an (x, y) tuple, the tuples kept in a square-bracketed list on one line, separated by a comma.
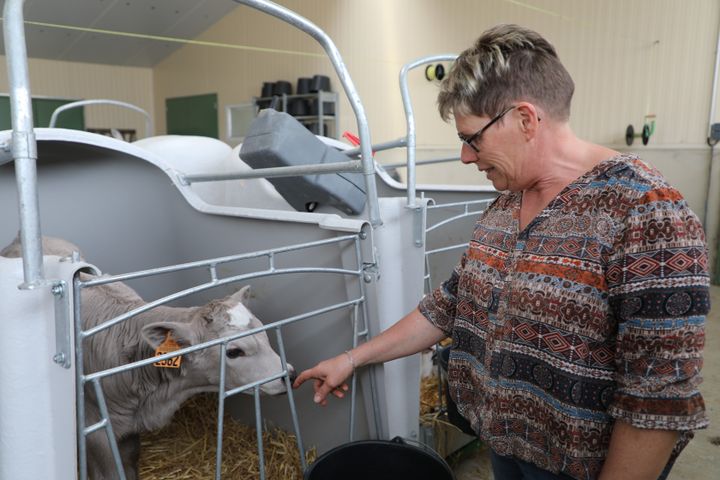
[(379, 460), (282, 87), (267, 89), (320, 82), (303, 85)]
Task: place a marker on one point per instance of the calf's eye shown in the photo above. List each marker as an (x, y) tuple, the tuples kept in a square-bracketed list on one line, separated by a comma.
[(235, 353)]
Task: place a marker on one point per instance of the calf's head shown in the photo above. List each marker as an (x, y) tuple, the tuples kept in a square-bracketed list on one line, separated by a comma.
[(248, 359)]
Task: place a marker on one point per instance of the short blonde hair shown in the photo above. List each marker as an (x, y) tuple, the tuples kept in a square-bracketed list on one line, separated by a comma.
[(507, 63)]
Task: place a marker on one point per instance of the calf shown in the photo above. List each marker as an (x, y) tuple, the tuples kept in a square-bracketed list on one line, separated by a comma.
[(145, 398)]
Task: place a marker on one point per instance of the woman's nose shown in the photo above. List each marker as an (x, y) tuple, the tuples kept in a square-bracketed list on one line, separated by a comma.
[(467, 154)]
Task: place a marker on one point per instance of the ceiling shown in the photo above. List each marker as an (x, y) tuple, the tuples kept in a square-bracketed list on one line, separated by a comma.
[(184, 19)]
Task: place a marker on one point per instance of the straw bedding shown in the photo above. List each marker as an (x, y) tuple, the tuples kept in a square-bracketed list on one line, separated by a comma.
[(185, 449)]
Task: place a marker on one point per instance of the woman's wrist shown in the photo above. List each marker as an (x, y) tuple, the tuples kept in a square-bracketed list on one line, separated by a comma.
[(350, 358)]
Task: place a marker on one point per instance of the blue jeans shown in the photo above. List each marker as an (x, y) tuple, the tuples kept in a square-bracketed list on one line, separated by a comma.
[(508, 468)]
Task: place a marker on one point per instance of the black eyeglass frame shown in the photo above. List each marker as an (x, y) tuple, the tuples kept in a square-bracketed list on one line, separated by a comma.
[(475, 136)]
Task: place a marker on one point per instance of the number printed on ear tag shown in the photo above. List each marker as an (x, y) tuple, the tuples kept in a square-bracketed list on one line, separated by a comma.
[(168, 345)]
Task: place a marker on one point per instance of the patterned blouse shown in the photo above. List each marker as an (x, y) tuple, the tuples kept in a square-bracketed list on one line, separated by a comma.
[(594, 312)]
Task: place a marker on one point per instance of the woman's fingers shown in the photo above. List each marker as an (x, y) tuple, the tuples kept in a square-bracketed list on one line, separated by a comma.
[(328, 377), (339, 392), (303, 377)]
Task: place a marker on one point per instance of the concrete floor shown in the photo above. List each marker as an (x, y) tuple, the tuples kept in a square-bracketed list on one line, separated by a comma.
[(701, 458)]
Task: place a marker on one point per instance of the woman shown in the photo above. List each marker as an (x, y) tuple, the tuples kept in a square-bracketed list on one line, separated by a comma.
[(577, 311)]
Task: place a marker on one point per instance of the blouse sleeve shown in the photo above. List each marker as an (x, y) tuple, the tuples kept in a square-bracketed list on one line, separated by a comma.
[(439, 306), (659, 294)]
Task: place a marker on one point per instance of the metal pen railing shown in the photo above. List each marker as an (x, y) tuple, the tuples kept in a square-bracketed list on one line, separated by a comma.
[(410, 119), (24, 145), (466, 212), (359, 329), (411, 164), (103, 101)]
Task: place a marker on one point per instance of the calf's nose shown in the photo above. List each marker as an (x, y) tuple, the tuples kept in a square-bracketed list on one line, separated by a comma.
[(291, 373)]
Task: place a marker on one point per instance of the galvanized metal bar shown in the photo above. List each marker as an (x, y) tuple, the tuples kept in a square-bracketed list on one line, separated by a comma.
[(79, 380), (410, 118), (207, 286), (378, 147), (213, 273), (353, 383), (427, 277), (446, 249), (257, 383), (324, 40), (95, 427), (361, 287), (217, 261), (419, 225), (486, 201), (103, 101), (24, 145), (422, 162), (102, 406), (218, 341), (366, 329), (452, 219), (295, 171), (291, 398), (62, 324), (221, 413), (259, 433)]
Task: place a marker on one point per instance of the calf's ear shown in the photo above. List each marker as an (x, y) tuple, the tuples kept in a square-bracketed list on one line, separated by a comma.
[(156, 333), (241, 296)]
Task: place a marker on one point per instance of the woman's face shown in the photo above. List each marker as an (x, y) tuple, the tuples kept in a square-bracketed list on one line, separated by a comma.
[(498, 148)]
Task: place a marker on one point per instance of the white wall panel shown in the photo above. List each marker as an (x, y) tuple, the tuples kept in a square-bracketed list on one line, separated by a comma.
[(74, 80)]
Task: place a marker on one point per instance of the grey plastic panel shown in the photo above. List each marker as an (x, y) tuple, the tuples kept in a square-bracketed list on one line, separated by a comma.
[(276, 139)]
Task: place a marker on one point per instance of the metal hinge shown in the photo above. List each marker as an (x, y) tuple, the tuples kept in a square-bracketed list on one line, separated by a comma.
[(62, 323), (419, 221), (370, 272)]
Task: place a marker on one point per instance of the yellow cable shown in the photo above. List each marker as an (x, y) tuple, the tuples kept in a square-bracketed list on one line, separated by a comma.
[(174, 39)]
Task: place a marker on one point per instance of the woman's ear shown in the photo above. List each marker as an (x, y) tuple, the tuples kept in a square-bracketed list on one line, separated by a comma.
[(529, 119)]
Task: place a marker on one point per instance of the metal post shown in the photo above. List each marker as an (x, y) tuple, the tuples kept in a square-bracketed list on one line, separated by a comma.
[(324, 40), (221, 413), (291, 399), (24, 146), (410, 117), (79, 380)]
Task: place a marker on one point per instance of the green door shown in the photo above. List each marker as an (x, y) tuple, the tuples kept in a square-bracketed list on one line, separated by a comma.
[(42, 111), (194, 115)]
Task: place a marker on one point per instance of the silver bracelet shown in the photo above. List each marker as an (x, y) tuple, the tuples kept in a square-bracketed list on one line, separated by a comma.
[(350, 357)]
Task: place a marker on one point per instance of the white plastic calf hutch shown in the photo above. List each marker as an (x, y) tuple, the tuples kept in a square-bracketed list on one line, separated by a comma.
[(322, 281)]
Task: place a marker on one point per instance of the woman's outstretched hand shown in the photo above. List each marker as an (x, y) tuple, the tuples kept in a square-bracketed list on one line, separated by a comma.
[(328, 377)]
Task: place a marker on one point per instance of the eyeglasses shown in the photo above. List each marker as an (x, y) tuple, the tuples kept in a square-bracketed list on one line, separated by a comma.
[(469, 141)]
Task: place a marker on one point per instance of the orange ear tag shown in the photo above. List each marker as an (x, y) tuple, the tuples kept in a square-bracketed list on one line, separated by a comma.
[(169, 345)]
